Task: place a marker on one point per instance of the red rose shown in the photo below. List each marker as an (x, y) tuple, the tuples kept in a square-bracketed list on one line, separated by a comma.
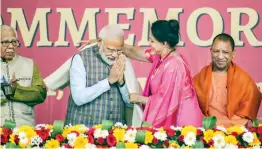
[(234, 134), (111, 131), (16, 139), (211, 143), (90, 132), (155, 141), (67, 146), (181, 138), (91, 139), (111, 140), (260, 139), (7, 131), (59, 138), (259, 130), (43, 133), (100, 141), (166, 143), (170, 132), (199, 132), (253, 129), (4, 139)]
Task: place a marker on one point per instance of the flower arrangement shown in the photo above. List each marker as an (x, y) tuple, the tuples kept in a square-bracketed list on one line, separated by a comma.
[(107, 135)]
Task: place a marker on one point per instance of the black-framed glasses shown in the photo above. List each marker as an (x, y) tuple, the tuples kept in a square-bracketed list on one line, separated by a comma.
[(6, 43)]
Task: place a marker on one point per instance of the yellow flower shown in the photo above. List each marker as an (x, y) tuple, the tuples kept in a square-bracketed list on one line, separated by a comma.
[(256, 141), (212, 147), (208, 135), (22, 145), (149, 137), (236, 129), (50, 127), (80, 142), (187, 129), (187, 147), (52, 144), (98, 126), (131, 145), (12, 138), (174, 145), (231, 140), (119, 133), (77, 128), (162, 129), (219, 133), (1, 130), (28, 130)]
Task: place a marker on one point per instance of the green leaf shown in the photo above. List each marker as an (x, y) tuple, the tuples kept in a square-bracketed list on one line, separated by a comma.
[(120, 145), (209, 122), (199, 144), (255, 123), (146, 124)]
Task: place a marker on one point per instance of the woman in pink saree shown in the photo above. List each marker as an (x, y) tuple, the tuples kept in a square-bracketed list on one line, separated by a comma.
[(169, 96)]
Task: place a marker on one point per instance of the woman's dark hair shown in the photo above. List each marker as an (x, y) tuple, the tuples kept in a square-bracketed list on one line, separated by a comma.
[(166, 31)]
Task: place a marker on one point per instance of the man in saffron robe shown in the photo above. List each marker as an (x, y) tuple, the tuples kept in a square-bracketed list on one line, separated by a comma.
[(225, 90)]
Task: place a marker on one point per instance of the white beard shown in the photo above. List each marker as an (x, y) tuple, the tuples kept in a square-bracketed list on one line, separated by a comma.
[(109, 62)]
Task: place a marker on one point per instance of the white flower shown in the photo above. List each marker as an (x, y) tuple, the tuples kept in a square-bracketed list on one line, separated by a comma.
[(118, 124), (190, 139), (130, 135), (144, 147), (100, 133), (176, 128), (39, 126), (248, 137), (71, 138), (24, 141), (90, 146), (125, 126), (231, 146), (244, 129), (221, 128), (112, 148), (161, 135), (4, 147), (171, 147), (256, 147), (22, 137), (37, 147), (36, 140), (219, 141)]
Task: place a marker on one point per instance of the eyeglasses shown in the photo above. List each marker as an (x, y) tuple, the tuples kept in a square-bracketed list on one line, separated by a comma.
[(6, 43), (109, 50)]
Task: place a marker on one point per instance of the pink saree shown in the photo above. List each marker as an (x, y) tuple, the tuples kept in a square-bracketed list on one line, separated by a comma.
[(172, 98)]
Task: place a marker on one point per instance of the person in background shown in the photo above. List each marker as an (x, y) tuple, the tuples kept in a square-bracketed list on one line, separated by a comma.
[(224, 89), (22, 76)]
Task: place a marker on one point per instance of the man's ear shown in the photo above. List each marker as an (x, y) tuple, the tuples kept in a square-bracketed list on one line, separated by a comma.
[(99, 42), (234, 54)]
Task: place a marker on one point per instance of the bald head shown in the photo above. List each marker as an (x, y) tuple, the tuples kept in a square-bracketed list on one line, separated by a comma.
[(9, 42)]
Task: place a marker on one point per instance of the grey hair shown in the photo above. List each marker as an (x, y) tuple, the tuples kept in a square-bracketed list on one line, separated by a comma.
[(7, 27), (111, 31)]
